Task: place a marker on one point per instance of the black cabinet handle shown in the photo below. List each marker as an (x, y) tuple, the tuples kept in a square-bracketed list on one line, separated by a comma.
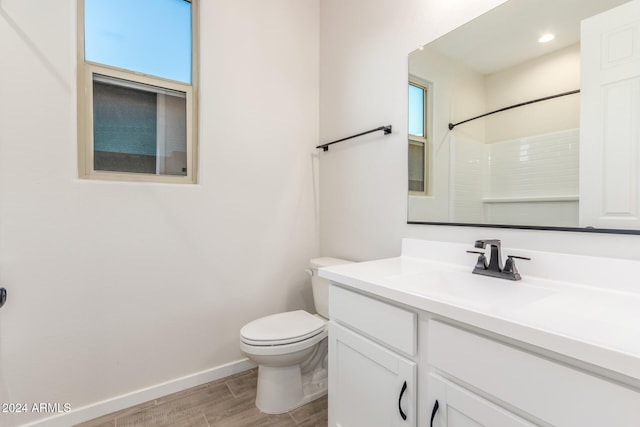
[(433, 412), (3, 296), (404, 388)]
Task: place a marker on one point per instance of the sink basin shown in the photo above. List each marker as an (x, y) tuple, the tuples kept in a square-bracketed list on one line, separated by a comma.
[(462, 288)]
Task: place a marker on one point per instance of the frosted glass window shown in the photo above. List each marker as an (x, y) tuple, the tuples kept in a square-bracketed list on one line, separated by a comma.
[(416, 110), (147, 36), (138, 128)]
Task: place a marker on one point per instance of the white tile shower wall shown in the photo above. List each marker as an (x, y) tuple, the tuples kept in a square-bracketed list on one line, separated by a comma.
[(536, 166), (468, 180), (534, 180)]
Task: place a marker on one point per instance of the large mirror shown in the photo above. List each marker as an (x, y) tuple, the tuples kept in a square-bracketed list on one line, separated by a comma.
[(520, 167)]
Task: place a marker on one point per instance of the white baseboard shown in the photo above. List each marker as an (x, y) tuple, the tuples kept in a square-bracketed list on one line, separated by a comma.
[(137, 397)]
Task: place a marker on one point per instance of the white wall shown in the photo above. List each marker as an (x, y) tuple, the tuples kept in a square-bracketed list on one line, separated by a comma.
[(363, 56), (551, 74), (114, 287)]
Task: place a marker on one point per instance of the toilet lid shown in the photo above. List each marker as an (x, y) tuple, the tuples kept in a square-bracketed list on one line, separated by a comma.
[(282, 328)]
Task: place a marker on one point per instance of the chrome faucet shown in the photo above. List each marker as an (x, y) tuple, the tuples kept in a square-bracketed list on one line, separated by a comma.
[(493, 267)]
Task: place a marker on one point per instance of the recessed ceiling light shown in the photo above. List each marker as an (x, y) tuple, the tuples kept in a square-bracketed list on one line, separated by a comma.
[(546, 38)]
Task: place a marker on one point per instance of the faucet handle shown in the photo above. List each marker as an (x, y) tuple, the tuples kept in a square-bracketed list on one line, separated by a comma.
[(510, 268), (519, 257), (476, 252), (482, 263)]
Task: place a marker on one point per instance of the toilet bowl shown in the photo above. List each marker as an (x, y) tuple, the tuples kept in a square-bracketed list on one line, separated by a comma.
[(290, 350)]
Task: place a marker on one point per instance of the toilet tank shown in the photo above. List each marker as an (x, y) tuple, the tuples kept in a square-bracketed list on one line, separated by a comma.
[(320, 285)]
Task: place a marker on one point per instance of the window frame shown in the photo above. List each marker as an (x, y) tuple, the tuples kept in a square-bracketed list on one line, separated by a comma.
[(423, 141), (86, 70)]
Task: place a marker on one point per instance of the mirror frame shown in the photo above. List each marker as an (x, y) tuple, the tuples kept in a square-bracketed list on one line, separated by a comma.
[(532, 227)]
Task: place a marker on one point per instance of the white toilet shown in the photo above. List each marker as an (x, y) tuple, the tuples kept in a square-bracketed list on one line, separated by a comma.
[(291, 350)]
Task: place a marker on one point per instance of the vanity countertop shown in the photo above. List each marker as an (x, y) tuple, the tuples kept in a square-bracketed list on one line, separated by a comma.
[(595, 325)]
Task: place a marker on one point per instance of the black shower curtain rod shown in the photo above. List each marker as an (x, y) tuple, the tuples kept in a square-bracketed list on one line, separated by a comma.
[(452, 125), (386, 129)]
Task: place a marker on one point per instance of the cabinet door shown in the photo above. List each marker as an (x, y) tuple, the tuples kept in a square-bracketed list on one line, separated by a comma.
[(369, 385), (458, 407)]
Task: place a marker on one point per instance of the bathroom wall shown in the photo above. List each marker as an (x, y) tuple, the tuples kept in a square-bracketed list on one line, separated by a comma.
[(550, 74), (363, 77), (117, 287)]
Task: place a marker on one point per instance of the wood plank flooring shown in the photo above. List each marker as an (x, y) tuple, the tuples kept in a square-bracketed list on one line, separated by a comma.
[(228, 402)]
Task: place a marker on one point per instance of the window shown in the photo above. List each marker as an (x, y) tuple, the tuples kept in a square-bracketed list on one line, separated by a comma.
[(418, 140), (136, 90)]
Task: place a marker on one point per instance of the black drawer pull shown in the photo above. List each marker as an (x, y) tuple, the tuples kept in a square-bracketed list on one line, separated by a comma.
[(404, 388), (433, 412), (3, 296)]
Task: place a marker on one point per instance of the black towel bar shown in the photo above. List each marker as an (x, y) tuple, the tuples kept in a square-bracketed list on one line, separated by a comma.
[(386, 129)]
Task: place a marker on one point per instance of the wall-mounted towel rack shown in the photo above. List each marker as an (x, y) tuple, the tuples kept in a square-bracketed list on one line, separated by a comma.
[(386, 129), (452, 125)]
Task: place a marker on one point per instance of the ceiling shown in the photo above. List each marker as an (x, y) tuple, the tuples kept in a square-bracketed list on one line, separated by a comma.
[(508, 34)]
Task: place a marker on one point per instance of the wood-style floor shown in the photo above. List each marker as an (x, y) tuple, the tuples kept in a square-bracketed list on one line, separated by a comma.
[(228, 402)]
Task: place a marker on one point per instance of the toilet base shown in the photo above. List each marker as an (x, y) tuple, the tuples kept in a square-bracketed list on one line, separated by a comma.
[(282, 389)]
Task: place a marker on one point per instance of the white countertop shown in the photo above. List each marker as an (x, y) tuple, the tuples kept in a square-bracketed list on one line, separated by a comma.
[(596, 325)]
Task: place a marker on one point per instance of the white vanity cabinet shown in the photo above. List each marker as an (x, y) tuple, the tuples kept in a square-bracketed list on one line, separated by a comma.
[(378, 352), (561, 347), (544, 390), (372, 374)]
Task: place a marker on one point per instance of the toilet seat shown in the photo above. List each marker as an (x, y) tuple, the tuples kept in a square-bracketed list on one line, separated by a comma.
[(282, 329), (282, 351)]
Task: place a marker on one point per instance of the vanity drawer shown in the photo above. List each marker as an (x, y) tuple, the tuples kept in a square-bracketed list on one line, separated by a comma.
[(390, 325), (548, 390)]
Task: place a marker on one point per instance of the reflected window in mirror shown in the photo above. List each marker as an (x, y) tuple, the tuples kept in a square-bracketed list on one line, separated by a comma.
[(418, 137)]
